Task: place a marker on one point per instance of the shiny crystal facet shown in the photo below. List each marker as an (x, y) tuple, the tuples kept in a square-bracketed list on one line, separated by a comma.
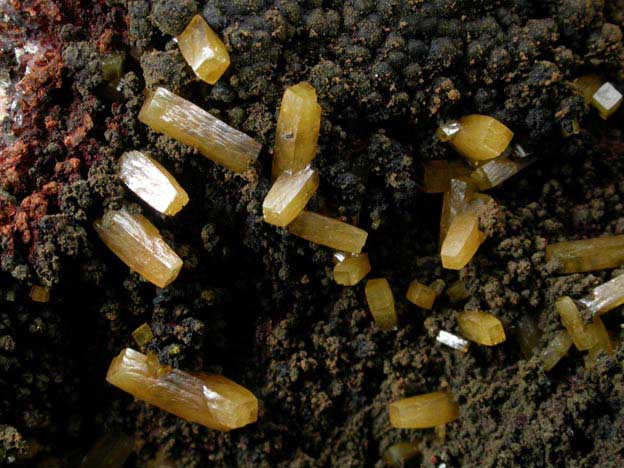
[(497, 171), (152, 182), (438, 174), (556, 349), (448, 130), (40, 294), (143, 335), (573, 322), (462, 241), (452, 341), (481, 328), (139, 245), (587, 254), (191, 125), (203, 50), (481, 137), (110, 451), (397, 454), (381, 303), (607, 100), (210, 400), (327, 231), (289, 195), (603, 342), (423, 411), (605, 297), (352, 269), (420, 295)]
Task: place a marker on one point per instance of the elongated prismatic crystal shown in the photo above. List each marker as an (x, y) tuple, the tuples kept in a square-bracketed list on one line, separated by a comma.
[(587, 254), (350, 269), (289, 195), (481, 327), (327, 231), (381, 303), (423, 411)]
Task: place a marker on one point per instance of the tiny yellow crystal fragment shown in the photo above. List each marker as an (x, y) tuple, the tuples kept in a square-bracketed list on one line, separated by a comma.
[(40, 294), (111, 451), (289, 195), (152, 182), (423, 411), (297, 131), (381, 303), (420, 295), (605, 297), (462, 241), (352, 269), (191, 125), (210, 400), (327, 231), (603, 342), (497, 171), (139, 245), (588, 85), (143, 335), (481, 137), (397, 454), (481, 328), (587, 254), (607, 100), (556, 349), (438, 175), (572, 321), (203, 50)]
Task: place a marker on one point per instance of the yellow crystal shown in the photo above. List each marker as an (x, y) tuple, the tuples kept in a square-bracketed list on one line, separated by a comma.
[(139, 245), (497, 171), (397, 454), (481, 137), (203, 50), (605, 297), (351, 269), (289, 195), (40, 294), (438, 175), (556, 349), (588, 85), (573, 322), (424, 411), (297, 131), (457, 291), (607, 100), (327, 231), (462, 241), (381, 303), (143, 335), (152, 182), (110, 451), (210, 400), (420, 295), (182, 120), (481, 327), (603, 342), (587, 254)]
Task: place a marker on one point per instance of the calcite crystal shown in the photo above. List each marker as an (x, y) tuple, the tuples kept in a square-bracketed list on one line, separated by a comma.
[(607, 100), (152, 182), (587, 254), (203, 50), (481, 137), (423, 411), (40, 294), (481, 327), (143, 335), (497, 171), (420, 295), (452, 341), (289, 195), (139, 245), (605, 297), (327, 231), (462, 241), (573, 322), (110, 451), (381, 303), (211, 400), (297, 131), (399, 453), (437, 175), (182, 120), (556, 349), (351, 269)]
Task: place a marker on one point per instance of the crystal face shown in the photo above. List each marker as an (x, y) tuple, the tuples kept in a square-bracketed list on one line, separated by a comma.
[(452, 341), (481, 137), (462, 241), (423, 411), (605, 297), (289, 195), (40, 294), (351, 269), (607, 100), (191, 125), (327, 231), (497, 171), (481, 328), (587, 254), (448, 130), (139, 245), (143, 335), (210, 400), (572, 321), (603, 342), (557, 348), (420, 295), (381, 303)]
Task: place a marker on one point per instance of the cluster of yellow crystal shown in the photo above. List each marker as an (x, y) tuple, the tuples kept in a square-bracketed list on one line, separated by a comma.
[(439, 173), (462, 241), (191, 125), (110, 451), (424, 411), (143, 335), (556, 349), (420, 295), (481, 137), (329, 232), (397, 454), (289, 195), (381, 303), (605, 297), (139, 245), (587, 254), (481, 327), (40, 294), (203, 50), (351, 269), (210, 400), (573, 322)]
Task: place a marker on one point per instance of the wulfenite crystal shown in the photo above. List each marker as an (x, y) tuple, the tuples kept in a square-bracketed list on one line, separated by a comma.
[(573, 322), (587, 254), (139, 245), (399, 453), (605, 297), (556, 349), (351, 269), (327, 231), (462, 241), (481, 137), (381, 303), (481, 328), (452, 341), (607, 100), (182, 120), (289, 195), (40, 294), (420, 295), (210, 400), (423, 411)]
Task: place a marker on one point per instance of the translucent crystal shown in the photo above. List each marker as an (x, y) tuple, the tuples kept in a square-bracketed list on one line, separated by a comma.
[(143, 335), (603, 342), (462, 241), (289, 195), (110, 451), (203, 50), (605, 297), (459, 198), (423, 411), (210, 400), (556, 349), (587, 254), (438, 175), (420, 295), (182, 120), (381, 303), (481, 137), (452, 341), (607, 100), (139, 245), (448, 130), (497, 171), (528, 335), (573, 322), (327, 231), (352, 269), (112, 66), (588, 85), (457, 291), (152, 182), (40, 294), (297, 131), (397, 454), (481, 328)]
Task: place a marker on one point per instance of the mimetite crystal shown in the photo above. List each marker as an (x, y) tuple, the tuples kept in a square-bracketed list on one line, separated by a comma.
[(462, 241), (397, 454), (381, 303), (587, 254), (210, 400), (588, 85), (423, 411), (603, 342), (420, 295), (327, 231), (143, 335), (481, 137), (352, 269), (438, 174), (111, 451), (297, 131), (556, 349), (607, 100), (573, 322), (452, 341), (40, 294), (152, 182), (289, 195), (481, 328), (193, 126), (497, 171), (139, 245), (203, 50), (605, 297)]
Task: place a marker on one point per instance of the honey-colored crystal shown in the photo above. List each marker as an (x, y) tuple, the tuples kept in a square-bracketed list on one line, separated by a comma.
[(605, 297), (481, 327), (381, 303), (40, 294), (607, 100), (420, 295), (462, 241), (152, 182), (438, 174), (452, 341), (423, 411), (573, 322), (497, 171), (298, 126), (397, 454), (211, 400), (110, 451), (457, 291), (352, 269), (203, 50), (327, 231), (602, 340), (587, 254), (143, 335), (481, 137), (139, 245), (289, 195), (191, 125), (556, 349), (588, 85)]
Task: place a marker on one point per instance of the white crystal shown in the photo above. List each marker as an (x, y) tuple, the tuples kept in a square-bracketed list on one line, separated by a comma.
[(452, 341)]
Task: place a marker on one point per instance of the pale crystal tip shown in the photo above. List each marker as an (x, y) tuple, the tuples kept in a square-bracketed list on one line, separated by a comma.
[(423, 411), (607, 100), (605, 297), (448, 130), (327, 231), (381, 303), (452, 341), (289, 195), (481, 327), (351, 269)]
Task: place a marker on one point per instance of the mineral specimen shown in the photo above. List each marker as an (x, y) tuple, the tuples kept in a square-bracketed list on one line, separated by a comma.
[(351, 269), (139, 245), (423, 411), (607, 100), (556, 349), (110, 451), (438, 175), (497, 171), (203, 50), (603, 342), (182, 120), (461, 197), (289, 195), (397, 454), (210, 400), (143, 335), (152, 182), (588, 85), (481, 328), (40, 294), (481, 137), (327, 231), (572, 321), (587, 254), (605, 297), (381, 303), (420, 295), (452, 341), (448, 130), (462, 241)]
